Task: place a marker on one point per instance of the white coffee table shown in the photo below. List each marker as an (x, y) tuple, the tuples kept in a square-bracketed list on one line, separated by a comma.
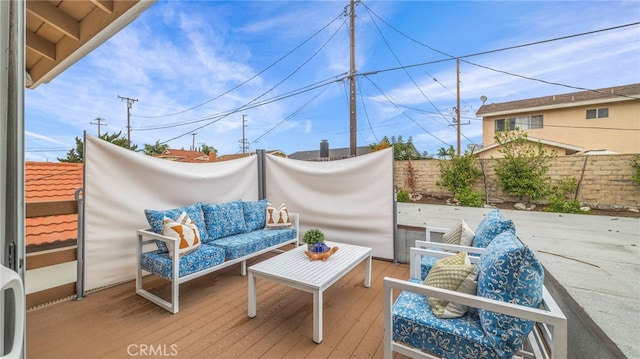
[(294, 269)]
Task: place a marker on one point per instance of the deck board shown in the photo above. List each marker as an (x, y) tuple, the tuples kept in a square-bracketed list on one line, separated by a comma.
[(213, 321)]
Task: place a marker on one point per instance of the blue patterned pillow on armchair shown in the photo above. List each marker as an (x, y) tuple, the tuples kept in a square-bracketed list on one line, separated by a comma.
[(510, 272), (490, 226), (224, 219)]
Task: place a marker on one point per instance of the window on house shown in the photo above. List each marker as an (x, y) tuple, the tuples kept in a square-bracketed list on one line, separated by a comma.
[(522, 122), (597, 113)]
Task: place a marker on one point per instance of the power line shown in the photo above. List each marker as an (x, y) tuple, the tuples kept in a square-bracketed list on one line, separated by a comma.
[(277, 84), (452, 57), (548, 82), (283, 96), (404, 113), (364, 107), (405, 70), (252, 77), (293, 114)]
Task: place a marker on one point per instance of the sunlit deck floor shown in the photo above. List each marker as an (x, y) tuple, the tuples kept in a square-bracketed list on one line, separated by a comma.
[(213, 322)]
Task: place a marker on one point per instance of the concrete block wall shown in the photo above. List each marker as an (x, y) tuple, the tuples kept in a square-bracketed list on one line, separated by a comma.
[(604, 181)]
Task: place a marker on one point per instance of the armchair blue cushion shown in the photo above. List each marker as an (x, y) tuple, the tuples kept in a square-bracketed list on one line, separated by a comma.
[(509, 272), (426, 263), (415, 325), (490, 226)]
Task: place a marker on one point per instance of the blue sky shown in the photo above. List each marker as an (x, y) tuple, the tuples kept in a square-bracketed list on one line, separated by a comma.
[(199, 66)]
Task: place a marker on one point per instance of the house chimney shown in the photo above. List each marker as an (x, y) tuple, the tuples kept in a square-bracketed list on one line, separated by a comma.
[(212, 156), (324, 149)]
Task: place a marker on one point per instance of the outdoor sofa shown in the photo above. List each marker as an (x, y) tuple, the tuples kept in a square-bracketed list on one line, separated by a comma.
[(230, 233)]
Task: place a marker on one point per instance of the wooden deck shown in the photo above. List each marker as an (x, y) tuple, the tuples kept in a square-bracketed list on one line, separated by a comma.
[(213, 322)]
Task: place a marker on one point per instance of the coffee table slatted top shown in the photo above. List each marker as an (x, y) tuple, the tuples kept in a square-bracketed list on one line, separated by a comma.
[(296, 267)]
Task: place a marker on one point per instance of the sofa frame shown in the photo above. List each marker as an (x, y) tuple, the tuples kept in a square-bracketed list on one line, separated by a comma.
[(148, 237)]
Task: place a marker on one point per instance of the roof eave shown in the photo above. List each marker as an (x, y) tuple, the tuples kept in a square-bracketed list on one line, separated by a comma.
[(100, 38), (556, 106)]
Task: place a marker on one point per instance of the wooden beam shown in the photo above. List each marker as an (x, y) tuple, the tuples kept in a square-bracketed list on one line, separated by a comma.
[(48, 258), (51, 294), (40, 45), (55, 17), (53, 208), (36, 248), (104, 5)]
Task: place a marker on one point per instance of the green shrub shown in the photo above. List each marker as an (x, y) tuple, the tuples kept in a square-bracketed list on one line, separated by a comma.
[(470, 198), (403, 196), (636, 166), (458, 174), (522, 172), (561, 199), (563, 205)]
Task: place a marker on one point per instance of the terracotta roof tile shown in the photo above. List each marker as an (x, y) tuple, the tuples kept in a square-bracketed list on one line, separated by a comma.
[(185, 156), (43, 230), (51, 181)]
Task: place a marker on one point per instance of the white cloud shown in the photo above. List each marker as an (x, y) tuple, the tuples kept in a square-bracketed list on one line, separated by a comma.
[(177, 56), (43, 138)]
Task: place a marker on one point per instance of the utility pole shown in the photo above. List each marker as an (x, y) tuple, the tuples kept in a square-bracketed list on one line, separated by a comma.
[(352, 82), (243, 142), (99, 122), (130, 102), (458, 102), (193, 144)]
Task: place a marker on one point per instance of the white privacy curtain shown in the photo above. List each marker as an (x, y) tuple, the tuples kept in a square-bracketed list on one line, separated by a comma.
[(120, 184), (350, 200)]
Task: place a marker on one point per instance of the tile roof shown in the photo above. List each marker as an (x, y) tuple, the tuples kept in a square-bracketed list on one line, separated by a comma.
[(51, 181), (186, 156), (243, 155), (563, 100), (334, 153)]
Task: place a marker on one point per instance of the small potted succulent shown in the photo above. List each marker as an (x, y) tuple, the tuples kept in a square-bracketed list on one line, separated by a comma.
[(313, 236)]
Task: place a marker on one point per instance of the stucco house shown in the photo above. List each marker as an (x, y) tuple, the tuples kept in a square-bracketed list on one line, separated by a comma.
[(601, 121)]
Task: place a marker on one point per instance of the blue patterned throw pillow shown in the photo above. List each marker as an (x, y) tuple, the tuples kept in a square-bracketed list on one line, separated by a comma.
[(224, 219), (194, 211), (510, 272), (490, 226), (255, 214)]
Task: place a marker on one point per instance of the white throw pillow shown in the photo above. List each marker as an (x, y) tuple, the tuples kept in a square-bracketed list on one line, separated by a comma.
[(459, 234), (185, 231), (277, 217)]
